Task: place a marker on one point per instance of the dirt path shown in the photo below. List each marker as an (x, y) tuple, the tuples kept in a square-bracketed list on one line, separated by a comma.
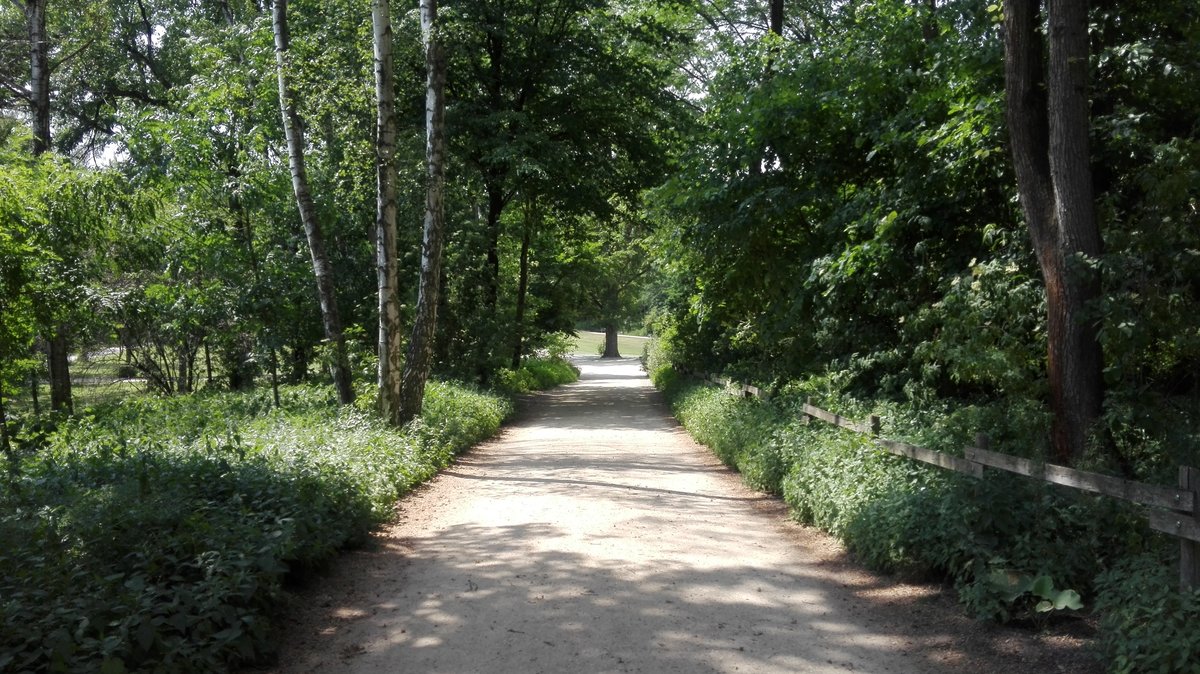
[(594, 536)]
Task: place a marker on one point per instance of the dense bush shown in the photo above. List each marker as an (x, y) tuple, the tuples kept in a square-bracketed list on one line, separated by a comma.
[(536, 374), (1013, 547), (156, 535), (1148, 625)]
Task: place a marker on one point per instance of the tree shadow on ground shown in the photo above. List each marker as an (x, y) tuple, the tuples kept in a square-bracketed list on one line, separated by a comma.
[(513, 610)]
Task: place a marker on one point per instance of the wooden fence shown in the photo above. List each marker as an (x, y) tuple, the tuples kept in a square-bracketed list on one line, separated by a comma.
[(1172, 510)]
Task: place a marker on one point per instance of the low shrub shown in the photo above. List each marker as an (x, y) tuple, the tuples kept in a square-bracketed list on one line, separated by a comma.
[(536, 374), (1013, 547), (739, 432), (156, 535), (1146, 624)]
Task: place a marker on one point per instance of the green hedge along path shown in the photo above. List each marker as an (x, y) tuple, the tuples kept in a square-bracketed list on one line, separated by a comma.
[(593, 535)]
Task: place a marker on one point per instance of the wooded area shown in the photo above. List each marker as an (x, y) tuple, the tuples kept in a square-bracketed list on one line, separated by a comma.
[(986, 211)]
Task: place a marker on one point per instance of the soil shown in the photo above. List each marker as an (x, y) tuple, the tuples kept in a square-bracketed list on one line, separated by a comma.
[(593, 535)]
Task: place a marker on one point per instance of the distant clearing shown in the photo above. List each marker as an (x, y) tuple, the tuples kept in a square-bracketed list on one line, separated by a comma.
[(592, 344)]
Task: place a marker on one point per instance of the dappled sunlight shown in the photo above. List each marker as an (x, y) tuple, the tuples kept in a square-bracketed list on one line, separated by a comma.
[(673, 614), (594, 533)]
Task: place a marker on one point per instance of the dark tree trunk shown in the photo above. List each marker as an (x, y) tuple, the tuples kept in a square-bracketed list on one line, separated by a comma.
[(300, 357), (293, 129), (930, 28), (776, 20), (39, 90), (522, 289), (208, 369), (496, 203), (5, 445), (275, 377), (183, 372), (1048, 129), (610, 341), (1079, 397), (35, 383), (420, 346), (57, 352)]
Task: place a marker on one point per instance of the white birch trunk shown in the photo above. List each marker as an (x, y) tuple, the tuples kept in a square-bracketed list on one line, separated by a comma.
[(420, 346), (385, 215)]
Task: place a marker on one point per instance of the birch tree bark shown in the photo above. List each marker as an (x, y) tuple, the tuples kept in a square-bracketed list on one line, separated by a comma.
[(1048, 131), (294, 131), (385, 215), (420, 345)]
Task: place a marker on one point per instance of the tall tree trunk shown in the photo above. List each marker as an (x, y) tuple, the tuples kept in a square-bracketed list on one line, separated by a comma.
[(1080, 395), (57, 344), (496, 203), (208, 376), (294, 131), (1048, 130), (5, 445), (522, 286), (610, 340), (58, 348), (35, 383), (776, 19), (929, 30), (39, 82), (183, 371), (385, 216), (420, 346), (275, 378)]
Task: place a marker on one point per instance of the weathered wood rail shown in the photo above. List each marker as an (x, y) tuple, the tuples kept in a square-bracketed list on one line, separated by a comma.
[(1172, 510)]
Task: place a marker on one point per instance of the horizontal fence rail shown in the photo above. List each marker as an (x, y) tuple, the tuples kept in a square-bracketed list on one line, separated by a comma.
[(1173, 510)]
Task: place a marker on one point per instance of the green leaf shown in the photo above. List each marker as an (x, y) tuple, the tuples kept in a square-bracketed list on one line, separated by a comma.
[(1043, 586), (1068, 599)]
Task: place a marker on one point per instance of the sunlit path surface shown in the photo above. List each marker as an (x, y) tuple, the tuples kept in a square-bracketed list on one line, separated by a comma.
[(595, 536)]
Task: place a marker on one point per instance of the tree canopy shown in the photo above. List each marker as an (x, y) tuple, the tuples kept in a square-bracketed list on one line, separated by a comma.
[(780, 190)]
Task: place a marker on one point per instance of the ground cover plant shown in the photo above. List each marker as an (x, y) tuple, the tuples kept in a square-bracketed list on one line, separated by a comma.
[(1014, 549), (157, 534)]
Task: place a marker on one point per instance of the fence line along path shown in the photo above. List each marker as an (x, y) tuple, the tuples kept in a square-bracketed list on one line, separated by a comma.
[(595, 536), (1174, 510)]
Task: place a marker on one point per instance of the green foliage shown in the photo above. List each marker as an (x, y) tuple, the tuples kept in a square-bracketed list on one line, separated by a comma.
[(843, 226), (1146, 624), (658, 364), (155, 535), (738, 432), (1009, 544), (536, 374)]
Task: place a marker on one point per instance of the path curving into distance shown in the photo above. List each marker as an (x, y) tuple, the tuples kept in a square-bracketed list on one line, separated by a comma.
[(594, 536)]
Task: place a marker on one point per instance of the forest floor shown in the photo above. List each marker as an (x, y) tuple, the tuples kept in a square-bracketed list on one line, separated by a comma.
[(593, 535)]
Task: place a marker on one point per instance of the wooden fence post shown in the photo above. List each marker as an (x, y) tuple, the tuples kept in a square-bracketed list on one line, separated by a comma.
[(1189, 551), (804, 418), (876, 424)]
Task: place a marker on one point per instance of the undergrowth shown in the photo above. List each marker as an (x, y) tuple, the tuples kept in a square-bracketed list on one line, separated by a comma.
[(536, 374), (1014, 548), (157, 535)]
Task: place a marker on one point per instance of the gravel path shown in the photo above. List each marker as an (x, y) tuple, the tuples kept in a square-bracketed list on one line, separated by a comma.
[(594, 536)]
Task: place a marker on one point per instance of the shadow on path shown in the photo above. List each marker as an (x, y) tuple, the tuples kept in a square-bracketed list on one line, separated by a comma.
[(594, 536)]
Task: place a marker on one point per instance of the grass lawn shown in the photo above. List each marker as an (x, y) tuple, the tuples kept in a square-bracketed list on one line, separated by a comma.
[(592, 344)]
